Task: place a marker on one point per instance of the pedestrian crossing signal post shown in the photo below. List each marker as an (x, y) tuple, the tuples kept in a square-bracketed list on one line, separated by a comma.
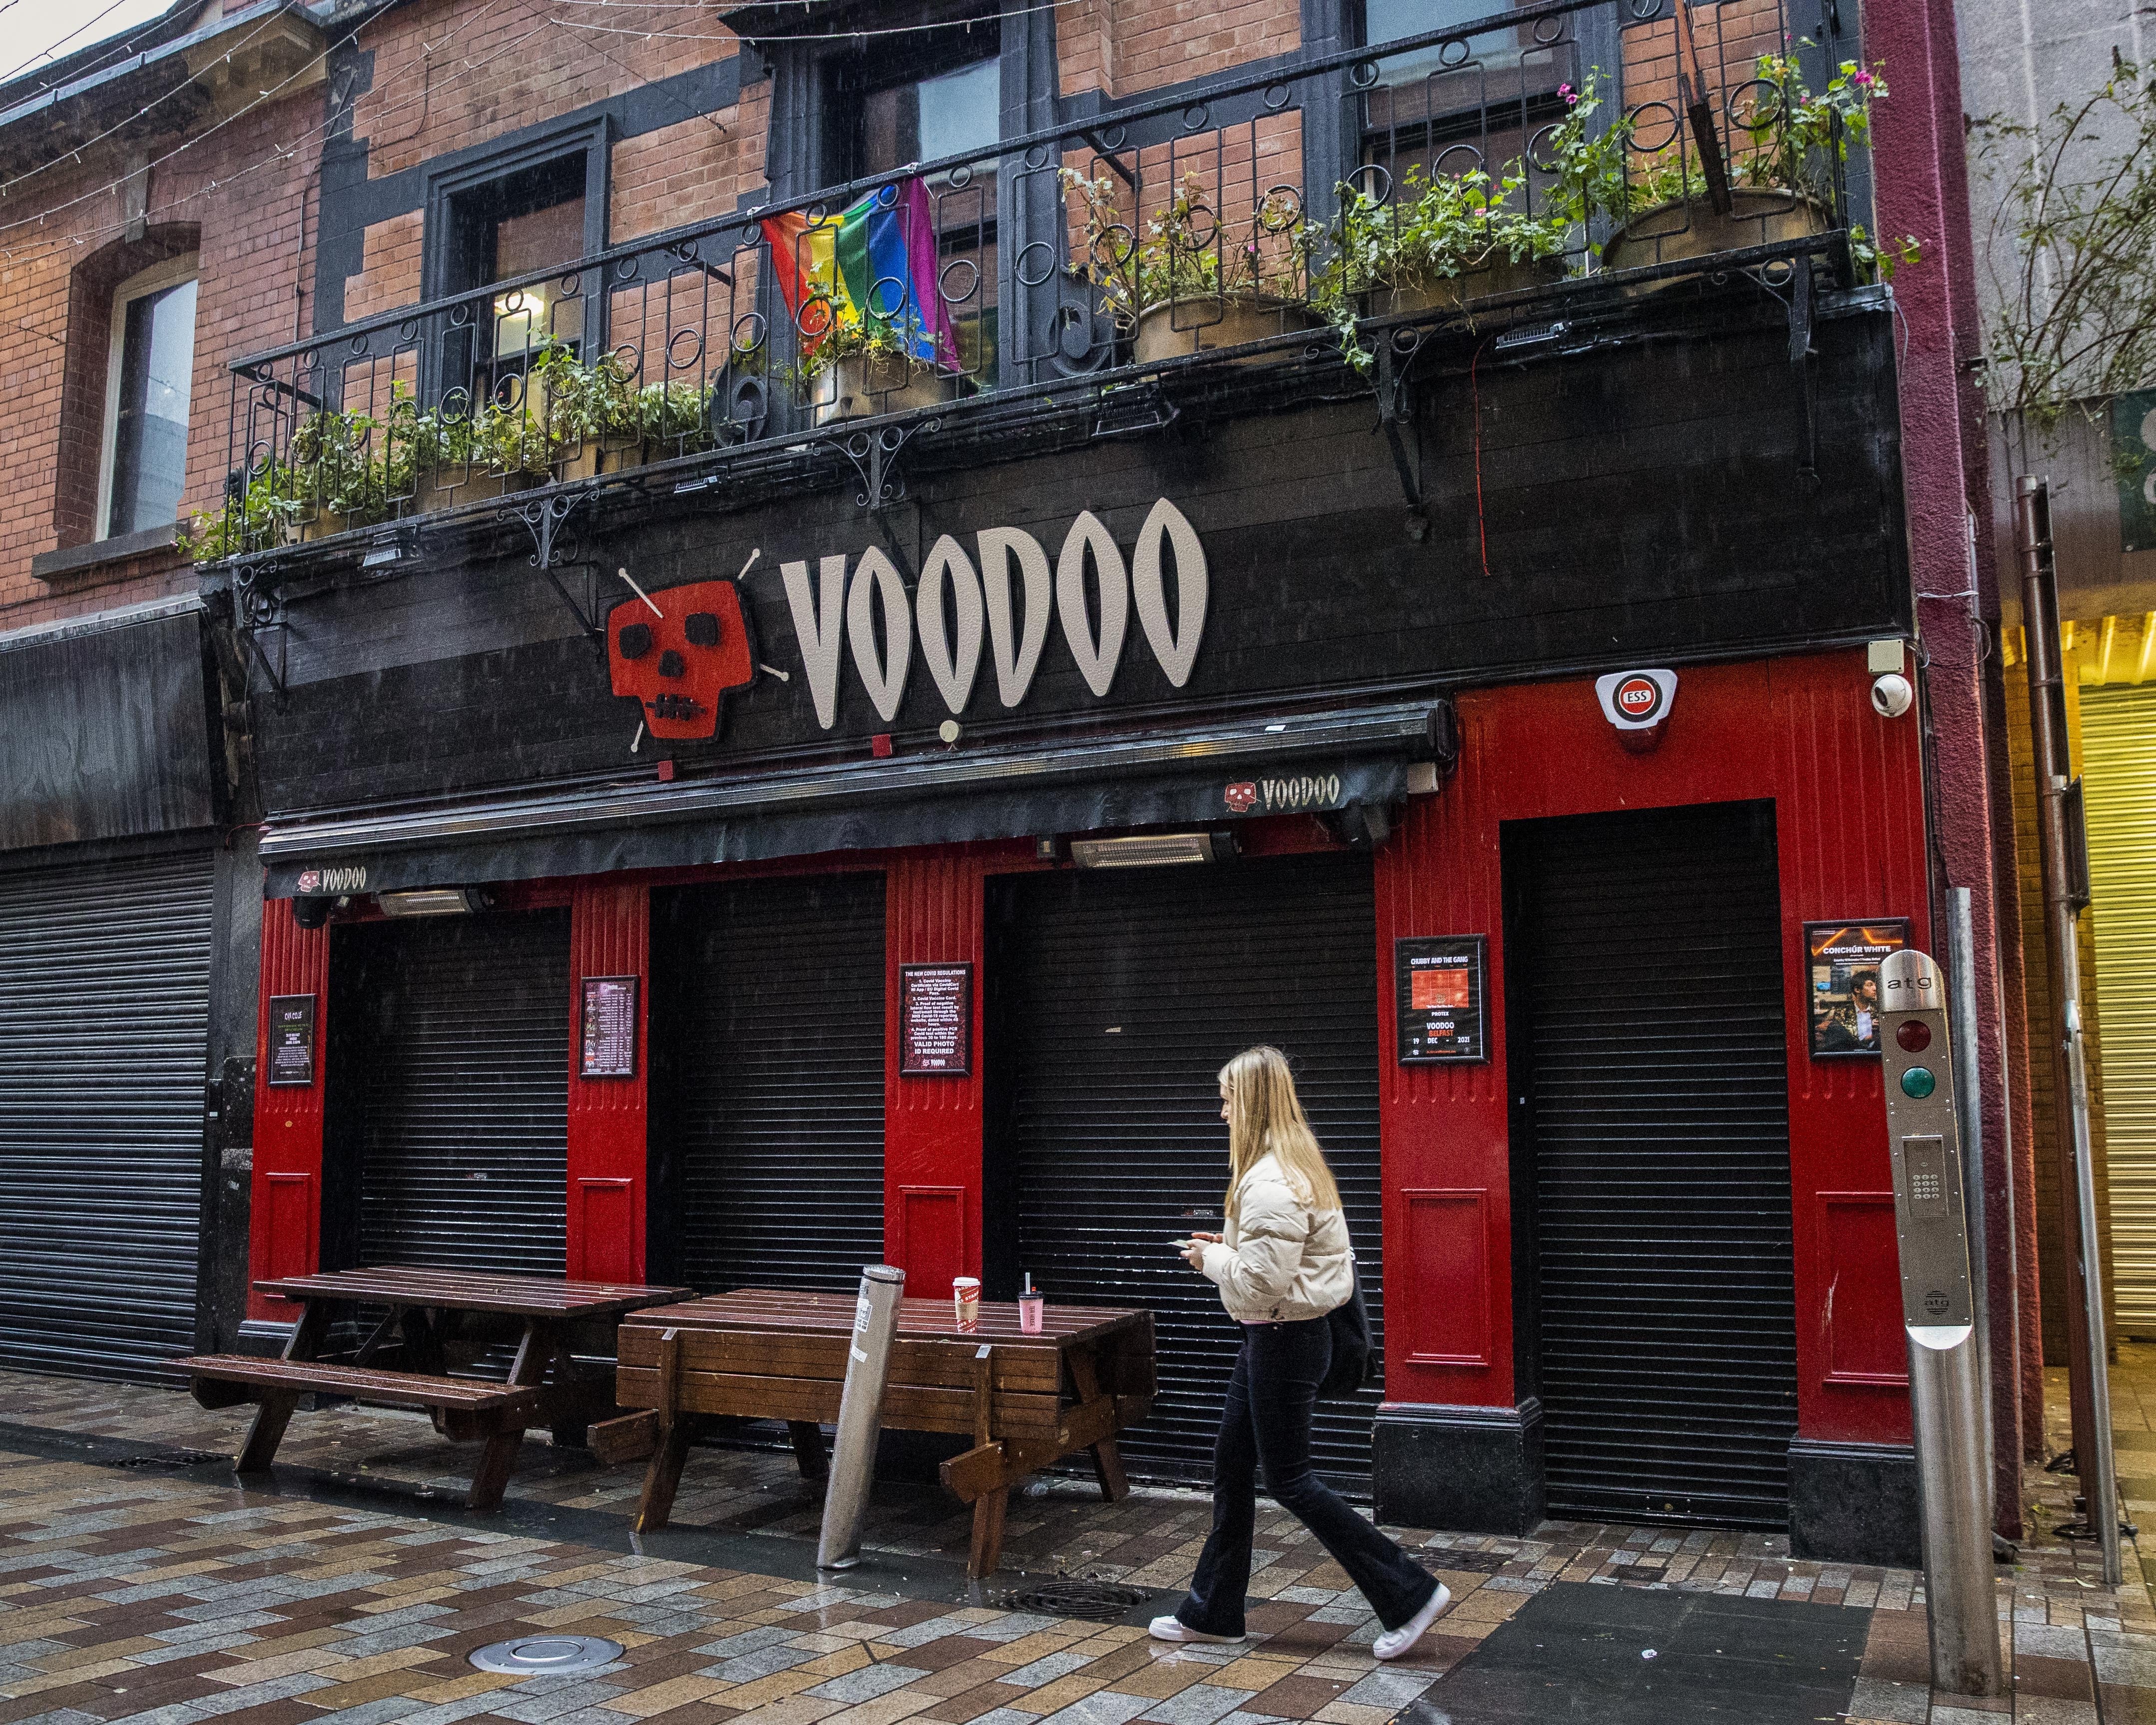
[(1938, 1313)]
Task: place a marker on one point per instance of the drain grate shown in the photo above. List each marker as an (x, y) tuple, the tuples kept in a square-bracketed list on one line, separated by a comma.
[(1096, 1601), (1638, 1572), (536, 1655), (173, 1458), (1476, 1562)]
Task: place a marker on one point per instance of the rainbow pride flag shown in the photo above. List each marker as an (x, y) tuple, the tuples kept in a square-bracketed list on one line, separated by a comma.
[(879, 256)]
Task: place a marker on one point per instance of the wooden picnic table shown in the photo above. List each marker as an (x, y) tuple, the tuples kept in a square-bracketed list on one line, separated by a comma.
[(404, 1359), (1026, 1401)]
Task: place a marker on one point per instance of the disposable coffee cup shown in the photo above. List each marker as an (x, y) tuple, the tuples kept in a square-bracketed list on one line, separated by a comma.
[(966, 1297)]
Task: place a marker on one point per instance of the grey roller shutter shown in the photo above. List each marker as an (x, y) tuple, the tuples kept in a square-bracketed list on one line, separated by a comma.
[(104, 1026), (1116, 997), (774, 1070), (463, 1082), (1646, 981), (2118, 768)]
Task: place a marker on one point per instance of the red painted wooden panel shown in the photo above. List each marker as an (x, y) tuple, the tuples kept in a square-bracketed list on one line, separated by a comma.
[(610, 935), (932, 1125), (1862, 1341), (1847, 788), (930, 1241), (1445, 1266), (604, 1224), (285, 1226)]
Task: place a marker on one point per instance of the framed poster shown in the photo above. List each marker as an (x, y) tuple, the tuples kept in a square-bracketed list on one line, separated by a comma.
[(1442, 997), (935, 1020), (291, 1040), (1841, 983), (609, 1027)]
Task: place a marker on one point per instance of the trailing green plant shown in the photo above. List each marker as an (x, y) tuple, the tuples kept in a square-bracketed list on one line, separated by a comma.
[(1797, 137), (2071, 317), (866, 337)]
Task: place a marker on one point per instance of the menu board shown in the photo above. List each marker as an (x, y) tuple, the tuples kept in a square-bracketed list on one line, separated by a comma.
[(1442, 999), (609, 1035), (935, 1019), (1841, 982), (291, 1039)]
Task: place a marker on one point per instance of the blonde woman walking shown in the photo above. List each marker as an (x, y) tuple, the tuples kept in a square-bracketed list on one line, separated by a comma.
[(1282, 1266)]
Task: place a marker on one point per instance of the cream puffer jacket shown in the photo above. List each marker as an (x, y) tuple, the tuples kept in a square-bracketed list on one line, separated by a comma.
[(1282, 1261)]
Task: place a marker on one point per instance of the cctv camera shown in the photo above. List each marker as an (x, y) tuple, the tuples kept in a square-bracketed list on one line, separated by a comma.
[(1891, 695)]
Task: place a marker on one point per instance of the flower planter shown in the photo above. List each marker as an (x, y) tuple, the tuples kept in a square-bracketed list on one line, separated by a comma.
[(1240, 320), (1669, 232), (435, 493), (865, 383), (1453, 293)]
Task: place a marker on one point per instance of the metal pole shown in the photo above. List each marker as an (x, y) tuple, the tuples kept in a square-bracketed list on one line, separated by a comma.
[(860, 1409), (1962, 998), (2088, 1369), (1946, 1405)]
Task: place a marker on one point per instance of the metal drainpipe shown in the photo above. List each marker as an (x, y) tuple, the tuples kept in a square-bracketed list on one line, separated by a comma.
[(2089, 1370)]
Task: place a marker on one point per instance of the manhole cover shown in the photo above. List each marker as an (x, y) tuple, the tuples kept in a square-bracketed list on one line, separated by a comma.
[(1097, 1601), (535, 1654)]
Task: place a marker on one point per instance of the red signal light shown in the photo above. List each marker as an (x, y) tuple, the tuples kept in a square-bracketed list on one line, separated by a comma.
[(1914, 1035)]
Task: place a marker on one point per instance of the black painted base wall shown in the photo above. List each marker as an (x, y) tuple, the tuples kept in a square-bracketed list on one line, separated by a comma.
[(1464, 1470), (1855, 1503)]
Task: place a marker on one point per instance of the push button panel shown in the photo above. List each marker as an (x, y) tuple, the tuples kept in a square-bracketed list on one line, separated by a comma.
[(1924, 1139)]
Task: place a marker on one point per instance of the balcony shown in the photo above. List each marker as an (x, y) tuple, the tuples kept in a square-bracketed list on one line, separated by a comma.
[(1317, 227)]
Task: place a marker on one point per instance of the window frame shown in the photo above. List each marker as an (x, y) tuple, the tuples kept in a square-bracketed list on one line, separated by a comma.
[(185, 267), (471, 172)]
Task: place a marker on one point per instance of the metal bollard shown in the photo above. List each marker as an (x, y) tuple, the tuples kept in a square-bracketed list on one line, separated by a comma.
[(860, 1409), (1938, 1312)]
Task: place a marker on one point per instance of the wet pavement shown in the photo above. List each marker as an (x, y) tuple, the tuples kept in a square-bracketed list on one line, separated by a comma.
[(139, 1582)]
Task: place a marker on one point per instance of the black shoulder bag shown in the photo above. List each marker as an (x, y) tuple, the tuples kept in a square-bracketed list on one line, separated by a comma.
[(1350, 1321)]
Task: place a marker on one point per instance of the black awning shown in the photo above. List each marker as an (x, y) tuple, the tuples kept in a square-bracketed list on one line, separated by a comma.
[(1309, 764)]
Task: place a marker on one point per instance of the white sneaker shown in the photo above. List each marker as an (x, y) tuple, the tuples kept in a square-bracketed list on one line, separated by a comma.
[(1174, 1628), (1394, 1643)]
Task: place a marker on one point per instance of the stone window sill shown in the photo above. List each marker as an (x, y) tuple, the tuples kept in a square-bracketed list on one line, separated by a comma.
[(79, 565)]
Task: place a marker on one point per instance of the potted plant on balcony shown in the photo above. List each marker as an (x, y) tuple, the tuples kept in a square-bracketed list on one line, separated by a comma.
[(1446, 242), (1789, 141), (851, 366), (1158, 287)]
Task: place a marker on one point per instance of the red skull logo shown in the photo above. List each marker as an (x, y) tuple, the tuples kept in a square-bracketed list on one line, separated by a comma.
[(679, 662), (1241, 798)]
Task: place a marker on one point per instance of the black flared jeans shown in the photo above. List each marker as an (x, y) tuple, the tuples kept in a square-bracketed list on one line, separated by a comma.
[(1266, 1425)]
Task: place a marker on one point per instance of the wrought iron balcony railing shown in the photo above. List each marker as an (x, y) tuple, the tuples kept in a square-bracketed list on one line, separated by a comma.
[(1281, 212)]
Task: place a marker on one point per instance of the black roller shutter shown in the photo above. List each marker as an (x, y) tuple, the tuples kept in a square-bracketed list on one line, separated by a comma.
[(1649, 1050), (104, 1028), (774, 1070), (462, 1076), (1117, 996)]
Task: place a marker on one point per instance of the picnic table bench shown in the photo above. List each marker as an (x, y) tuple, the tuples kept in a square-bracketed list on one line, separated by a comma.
[(403, 1360), (1026, 1401)]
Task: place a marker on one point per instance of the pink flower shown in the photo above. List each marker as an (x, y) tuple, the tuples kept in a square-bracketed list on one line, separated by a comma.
[(1864, 78), (1567, 92)]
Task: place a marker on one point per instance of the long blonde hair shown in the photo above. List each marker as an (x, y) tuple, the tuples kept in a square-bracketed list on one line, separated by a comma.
[(1266, 1118)]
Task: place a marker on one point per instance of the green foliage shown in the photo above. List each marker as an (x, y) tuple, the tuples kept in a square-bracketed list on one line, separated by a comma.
[(2071, 315), (348, 469), (1186, 250)]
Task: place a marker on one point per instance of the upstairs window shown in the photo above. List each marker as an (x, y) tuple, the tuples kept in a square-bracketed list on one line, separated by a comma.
[(529, 220), (144, 471)]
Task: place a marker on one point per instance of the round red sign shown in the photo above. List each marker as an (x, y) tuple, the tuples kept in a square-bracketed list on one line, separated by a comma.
[(1638, 698)]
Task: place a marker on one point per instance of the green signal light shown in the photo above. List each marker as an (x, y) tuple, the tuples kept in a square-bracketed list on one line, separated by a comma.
[(1919, 1082)]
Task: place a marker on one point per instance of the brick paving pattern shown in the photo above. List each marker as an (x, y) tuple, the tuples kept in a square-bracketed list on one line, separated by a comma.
[(157, 1601)]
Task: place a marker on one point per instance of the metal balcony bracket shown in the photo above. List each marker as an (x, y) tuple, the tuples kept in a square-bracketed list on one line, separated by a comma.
[(874, 457), (546, 519), (1399, 417), (258, 609), (1802, 289)]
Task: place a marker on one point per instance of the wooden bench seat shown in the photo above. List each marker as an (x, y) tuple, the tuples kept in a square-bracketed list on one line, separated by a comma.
[(467, 1408)]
